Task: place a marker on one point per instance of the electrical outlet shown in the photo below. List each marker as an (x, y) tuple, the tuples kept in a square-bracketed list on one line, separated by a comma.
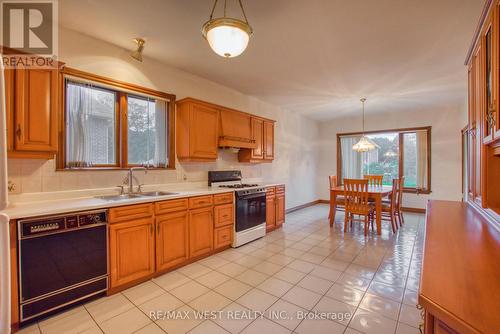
[(11, 187)]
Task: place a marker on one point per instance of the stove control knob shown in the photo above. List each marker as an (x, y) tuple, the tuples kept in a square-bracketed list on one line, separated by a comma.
[(96, 219)]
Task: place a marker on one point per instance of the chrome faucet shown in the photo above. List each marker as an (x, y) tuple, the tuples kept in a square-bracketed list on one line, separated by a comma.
[(131, 179)]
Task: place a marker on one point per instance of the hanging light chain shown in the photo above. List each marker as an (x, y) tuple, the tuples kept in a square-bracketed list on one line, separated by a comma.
[(213, 9), (243, 11), (363, 100), (225, 10)]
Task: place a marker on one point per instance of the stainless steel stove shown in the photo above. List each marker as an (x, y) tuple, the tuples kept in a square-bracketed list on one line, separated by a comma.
[(250, 206)]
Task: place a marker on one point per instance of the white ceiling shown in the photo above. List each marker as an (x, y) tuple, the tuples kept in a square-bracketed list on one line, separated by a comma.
[(317, 57)]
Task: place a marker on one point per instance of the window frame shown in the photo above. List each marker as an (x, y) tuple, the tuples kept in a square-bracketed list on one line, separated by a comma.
[(122, 90), (401, 131)]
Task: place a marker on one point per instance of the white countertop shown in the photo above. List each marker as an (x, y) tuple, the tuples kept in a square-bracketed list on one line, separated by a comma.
[(89, 202)]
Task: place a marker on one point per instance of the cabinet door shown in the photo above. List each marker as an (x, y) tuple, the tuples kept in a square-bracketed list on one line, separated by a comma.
[(270, 212), (280, 209), (131, 251), (201, 231), (36, 110), (268, 140), (203, 132), (172, 240), (258, 136), (9, 107)]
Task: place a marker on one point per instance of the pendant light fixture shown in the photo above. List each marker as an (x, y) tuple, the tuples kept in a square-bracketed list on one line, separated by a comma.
[(227, 36), (364, 144)]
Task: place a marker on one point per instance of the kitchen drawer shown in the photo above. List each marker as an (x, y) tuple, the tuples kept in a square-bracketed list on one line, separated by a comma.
[(130, 212), (223, 198), (200, 201), (280, 189), (223, 236), (224, 215), (171, 206)]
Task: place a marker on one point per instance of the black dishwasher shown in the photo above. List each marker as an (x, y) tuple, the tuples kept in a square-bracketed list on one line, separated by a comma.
[(62, 260)]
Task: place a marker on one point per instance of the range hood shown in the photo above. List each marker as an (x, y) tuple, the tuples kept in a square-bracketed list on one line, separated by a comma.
[(235, 130)]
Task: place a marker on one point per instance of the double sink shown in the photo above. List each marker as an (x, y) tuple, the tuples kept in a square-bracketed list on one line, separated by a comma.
[(136, 195)]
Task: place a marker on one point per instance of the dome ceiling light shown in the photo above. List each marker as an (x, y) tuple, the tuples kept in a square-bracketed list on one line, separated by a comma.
[(227, 36), (364, 144)]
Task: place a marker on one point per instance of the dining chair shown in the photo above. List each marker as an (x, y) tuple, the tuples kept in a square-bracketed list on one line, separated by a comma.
[(399, 201), (389, 206), (340, 200), (374, 180), (356, 202)]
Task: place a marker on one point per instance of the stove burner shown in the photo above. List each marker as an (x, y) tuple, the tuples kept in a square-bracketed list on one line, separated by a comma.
[(237, 186)]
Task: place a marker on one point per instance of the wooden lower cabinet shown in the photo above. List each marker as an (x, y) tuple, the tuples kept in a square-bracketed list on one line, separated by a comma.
[(275, 207), (201, 229), (172, 240), (223, 236), (132, 250), (280, 209), (270, 210)]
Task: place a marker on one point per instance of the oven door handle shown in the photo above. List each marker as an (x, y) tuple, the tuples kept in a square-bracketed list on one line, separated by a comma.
[(252, 196)]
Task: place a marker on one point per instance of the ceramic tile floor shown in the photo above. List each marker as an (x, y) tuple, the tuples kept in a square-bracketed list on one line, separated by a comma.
[(306, 268)]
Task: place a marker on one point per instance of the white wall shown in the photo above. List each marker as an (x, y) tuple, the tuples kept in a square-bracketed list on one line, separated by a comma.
[(296, 156), (445, 148)]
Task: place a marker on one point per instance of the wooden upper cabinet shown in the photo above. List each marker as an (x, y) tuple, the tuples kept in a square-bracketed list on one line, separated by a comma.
[(258, 135), (32, 106), (197, 131), (201, 231), (9, 107), (172, 240), (131, 251), (202, 127), (263, 134), (488, 112), (236, 129), (268, 140)]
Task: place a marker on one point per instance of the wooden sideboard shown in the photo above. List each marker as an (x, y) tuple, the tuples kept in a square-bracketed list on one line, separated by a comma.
[(459, 285), (482, 133)]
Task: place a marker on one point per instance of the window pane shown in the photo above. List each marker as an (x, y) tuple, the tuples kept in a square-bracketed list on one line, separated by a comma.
[(415, 159), (147, 139), (384, 160), (90, 125)]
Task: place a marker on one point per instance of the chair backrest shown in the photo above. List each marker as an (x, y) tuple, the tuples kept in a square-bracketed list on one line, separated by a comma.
[(356, 193), (399, 198), (333, 181), (374, 180), (396, 184)]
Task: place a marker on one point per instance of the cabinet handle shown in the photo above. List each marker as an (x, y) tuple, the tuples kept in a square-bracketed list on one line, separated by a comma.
[(158, 229), (151, 229), (18, 131)]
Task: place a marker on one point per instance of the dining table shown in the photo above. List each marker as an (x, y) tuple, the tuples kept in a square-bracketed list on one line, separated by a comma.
[(375, 193)]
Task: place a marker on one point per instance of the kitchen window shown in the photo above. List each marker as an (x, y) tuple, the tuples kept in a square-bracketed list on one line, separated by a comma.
[(111, 125), (402, 152)]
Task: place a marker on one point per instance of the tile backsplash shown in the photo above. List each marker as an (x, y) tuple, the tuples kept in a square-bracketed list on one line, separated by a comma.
[(33, 176)]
